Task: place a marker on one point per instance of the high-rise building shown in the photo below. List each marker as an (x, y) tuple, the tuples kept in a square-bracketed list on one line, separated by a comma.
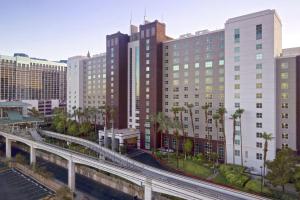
[(288, 99), (75, 83), (40, 82), (86, 82), (116, 77), (133, 80), (252, 43), (152, 35), (193, 73)]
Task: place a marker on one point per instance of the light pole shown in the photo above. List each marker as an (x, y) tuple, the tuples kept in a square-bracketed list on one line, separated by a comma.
[(261, 178)]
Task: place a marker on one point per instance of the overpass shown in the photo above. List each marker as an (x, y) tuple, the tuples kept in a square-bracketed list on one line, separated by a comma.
[(151, 179)]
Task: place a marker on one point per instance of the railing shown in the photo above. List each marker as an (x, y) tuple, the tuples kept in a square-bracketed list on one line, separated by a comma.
[(149, 171)]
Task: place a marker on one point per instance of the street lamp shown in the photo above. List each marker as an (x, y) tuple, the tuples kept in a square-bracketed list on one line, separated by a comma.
[(261, 178)]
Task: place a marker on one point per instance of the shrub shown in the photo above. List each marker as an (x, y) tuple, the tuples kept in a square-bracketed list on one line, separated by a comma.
[(234, 174), (255, 186)]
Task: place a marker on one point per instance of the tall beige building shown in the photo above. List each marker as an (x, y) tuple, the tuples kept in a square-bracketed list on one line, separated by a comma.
[(40, 82), (86, 81), (193, 73)]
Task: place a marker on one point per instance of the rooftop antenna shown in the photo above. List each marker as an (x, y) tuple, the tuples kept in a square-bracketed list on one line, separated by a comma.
[(130, 17), (145, 16), (130, 23)]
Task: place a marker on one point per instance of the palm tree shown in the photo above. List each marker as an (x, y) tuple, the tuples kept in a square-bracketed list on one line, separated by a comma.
[(164, 124), (93, 111), (240, 112), (112, 116), (267, 137), (222, 111), (175, 111), (234, 116), (154, 121), (106, 123), (74, 112), (181, 109), (175, 126), (205, 108), (216, 117), (190, 107)]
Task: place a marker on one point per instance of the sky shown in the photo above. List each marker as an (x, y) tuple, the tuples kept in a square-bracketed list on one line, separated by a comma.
[(59, 29)]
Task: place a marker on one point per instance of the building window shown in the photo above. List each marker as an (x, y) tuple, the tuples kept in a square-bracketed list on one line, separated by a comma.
[(236, 58), (258, 105), (175, 67), (186, 66), (236, 49), (284, 95), (284, 125), (258, 85), (259, 32), (258, 144), (259, 56), (236, 86), (284, 66), (197, 65), (284, 86), (237, 77), (237, 152), (236, 35), (259, 134), (258, 46), (258, 95), (237, 68), (208, 64), (285, 105), (258, 156), (221, 62), (258, 125), (284, 115), (236, 105), (284, 75), (258, 115)]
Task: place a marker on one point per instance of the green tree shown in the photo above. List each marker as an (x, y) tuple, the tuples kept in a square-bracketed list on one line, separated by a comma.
[(281, 168), (267, 137), (222, 111), (164, 124), (181, 110), (297, 179), (85, 128), (188, 145), (190, 106), (234, 116), (73, 128), (176, 126), (216, 117), (239, 113), (205, 109)]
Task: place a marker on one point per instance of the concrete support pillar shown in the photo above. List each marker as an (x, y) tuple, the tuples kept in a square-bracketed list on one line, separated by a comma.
[(121, 144), (32, 155), (148, 190), (113, 139), (71, 175), (138, 141), (8, 147), (105, 138)]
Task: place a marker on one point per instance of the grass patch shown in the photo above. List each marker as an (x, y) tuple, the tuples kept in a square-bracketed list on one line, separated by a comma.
[(192, 167)]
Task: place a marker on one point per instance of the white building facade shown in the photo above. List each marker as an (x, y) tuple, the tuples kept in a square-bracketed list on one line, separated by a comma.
[(252, 43)]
